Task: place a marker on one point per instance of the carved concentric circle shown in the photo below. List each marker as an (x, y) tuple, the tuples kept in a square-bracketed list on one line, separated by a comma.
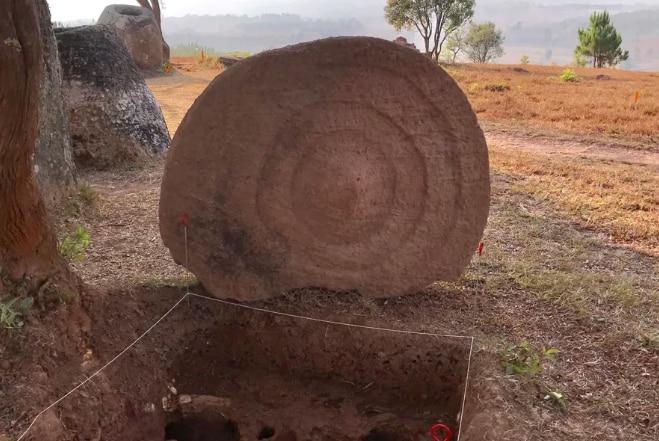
[(335, 185), (347, 163)]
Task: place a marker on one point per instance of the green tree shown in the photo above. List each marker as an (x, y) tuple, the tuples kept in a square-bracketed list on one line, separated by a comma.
[(524, 59), (579, 61), (454, 45), (601, 41), (484, 42), (434, 19)]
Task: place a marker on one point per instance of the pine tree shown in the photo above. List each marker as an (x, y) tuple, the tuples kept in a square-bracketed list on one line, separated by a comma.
[(601, 41)]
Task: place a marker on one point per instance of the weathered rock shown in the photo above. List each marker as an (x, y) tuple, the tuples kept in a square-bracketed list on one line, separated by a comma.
[(114, 117), (53, 157), (403, 42), (344, 163), (138, 30), (227, 62)]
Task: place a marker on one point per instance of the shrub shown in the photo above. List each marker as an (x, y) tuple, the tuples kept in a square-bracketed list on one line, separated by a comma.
[(496, 87), (568, 76), (524, 359), (524, 59), (87, 194), (73, 247), (10, 317)]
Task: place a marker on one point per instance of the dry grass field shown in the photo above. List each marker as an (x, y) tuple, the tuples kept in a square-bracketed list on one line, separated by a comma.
[(570, 256), (570, 262), (534, 97), (587, 148)]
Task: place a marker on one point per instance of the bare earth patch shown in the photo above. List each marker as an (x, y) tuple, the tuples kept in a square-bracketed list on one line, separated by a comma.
[(567, 264)]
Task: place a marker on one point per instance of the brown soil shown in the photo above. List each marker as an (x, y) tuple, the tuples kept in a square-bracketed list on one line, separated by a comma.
[(542, 278)]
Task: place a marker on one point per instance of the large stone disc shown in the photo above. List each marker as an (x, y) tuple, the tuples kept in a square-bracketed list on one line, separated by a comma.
[(344, 163)]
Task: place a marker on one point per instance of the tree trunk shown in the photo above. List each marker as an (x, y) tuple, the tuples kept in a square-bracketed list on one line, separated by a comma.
[(27, 243)]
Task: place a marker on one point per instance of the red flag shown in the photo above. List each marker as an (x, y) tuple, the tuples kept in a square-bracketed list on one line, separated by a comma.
[(480, 248), (184, 219), (442, 427)]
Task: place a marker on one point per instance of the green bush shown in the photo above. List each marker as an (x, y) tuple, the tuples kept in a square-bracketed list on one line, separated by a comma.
[(73, 247), (568, 76), (524, 359), (12, 317)]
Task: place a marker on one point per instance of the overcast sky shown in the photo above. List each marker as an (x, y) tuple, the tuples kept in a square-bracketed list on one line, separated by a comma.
[(65, 10)]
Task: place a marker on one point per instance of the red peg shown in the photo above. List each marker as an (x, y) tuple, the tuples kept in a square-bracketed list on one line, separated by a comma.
[(184, 219), (437, 427), (480, 248)]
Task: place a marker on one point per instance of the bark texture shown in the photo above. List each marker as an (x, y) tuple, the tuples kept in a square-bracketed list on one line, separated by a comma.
[(27, 244)]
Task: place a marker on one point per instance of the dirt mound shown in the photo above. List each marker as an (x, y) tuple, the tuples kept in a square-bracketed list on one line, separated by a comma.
[(114, 117), (322, 164)]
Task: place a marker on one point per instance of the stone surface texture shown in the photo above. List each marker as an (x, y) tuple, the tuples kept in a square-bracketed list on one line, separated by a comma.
[(138, 30), (53, 156), (348, 163), (113, 115)]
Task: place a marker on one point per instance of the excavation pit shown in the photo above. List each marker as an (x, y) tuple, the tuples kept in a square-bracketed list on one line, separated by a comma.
[(254, 376)]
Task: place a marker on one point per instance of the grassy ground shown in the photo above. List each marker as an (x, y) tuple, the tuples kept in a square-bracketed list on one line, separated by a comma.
[(570, 258), (532, 96), (615, 197)]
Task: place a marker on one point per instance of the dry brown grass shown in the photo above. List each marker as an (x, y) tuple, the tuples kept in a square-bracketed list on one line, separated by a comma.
[(543, 278), (537, 99), (618, 198)]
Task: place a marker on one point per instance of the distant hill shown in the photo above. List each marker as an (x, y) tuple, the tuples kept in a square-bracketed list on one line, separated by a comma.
[(545, 30), (639, 30), (229, 33)]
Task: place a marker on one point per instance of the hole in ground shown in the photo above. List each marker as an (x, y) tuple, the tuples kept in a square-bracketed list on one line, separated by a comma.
[(266, 432), (202, 429), (320, 382)]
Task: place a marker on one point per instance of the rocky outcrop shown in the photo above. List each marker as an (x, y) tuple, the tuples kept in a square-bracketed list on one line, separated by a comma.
[(113, 115), (320, 165), (403, 42), (138, 30), (227, 62), (53, 158)]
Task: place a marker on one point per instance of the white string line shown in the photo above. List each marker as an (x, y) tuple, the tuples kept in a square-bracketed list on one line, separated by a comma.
[(464, 396), (373, 328), (329, 322), (253, 308), (103, 367)]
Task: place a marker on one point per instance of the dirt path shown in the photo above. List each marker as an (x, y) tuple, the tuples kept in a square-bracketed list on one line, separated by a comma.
[(177, 92), (542, 279), (574, 149), (124, 225)]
